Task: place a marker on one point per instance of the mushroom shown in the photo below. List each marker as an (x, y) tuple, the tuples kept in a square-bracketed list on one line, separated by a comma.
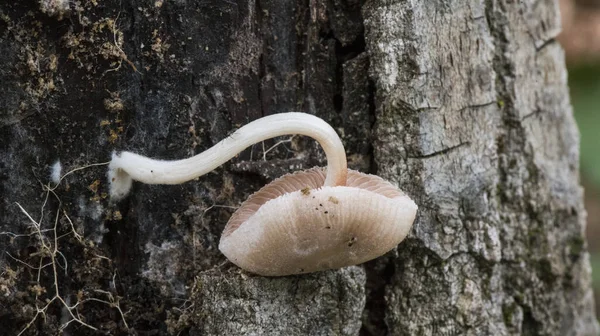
[(303, 222)]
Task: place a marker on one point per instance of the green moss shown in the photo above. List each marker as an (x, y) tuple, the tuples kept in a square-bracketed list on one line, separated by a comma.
[(508, 313), (576, 246)]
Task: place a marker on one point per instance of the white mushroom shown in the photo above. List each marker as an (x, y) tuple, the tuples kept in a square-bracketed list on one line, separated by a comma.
[(303, 222)]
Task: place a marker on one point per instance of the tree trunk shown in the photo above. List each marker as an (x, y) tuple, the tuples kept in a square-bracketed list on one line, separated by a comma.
[(463, 104)]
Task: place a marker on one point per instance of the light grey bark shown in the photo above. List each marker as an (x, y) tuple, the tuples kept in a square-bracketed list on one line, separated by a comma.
[(463, 104), (327, 303), (474, 119)]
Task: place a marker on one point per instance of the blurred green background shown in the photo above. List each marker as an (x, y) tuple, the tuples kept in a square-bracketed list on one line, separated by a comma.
[(584, 82), (580, 39)]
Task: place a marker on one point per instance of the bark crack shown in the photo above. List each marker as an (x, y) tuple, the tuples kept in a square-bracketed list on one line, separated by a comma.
[(545, 44), (532, 114), (441, 152), (476, 106)]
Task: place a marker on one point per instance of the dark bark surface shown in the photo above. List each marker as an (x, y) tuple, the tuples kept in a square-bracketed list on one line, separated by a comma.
[(462, 104)]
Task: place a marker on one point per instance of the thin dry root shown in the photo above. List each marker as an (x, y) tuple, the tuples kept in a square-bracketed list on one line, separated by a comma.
[(50, 256)]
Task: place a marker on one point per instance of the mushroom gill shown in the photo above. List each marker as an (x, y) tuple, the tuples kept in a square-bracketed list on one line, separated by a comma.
[(296, 225)]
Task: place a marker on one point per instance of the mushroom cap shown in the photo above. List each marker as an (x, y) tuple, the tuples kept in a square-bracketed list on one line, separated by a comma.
[(296, 225)]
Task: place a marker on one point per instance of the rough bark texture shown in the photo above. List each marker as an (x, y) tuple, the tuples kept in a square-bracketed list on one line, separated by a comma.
[(463, 104), (474, 119)]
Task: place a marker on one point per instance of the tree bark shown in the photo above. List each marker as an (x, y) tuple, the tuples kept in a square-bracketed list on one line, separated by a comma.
[(463, 104)]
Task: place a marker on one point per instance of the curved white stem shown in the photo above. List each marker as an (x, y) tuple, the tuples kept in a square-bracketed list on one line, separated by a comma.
[(127, 166)]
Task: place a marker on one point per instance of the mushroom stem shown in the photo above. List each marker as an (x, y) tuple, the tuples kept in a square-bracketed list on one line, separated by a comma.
[(127, 166)]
